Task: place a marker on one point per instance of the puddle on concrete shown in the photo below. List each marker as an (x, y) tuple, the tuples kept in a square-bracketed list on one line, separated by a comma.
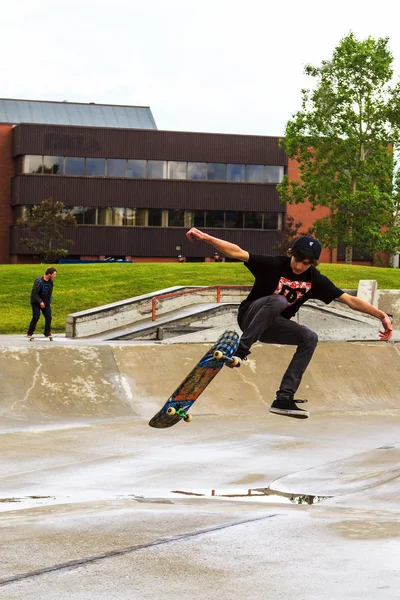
[(264, 493), (26, 498)]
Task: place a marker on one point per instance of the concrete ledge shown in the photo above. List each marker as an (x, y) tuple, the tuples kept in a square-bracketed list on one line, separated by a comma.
[(124, 313)]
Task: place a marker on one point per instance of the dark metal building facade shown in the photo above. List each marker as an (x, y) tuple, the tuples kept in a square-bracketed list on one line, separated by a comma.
[(124, 193)]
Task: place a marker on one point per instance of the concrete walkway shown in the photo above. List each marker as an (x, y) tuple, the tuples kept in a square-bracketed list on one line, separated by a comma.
[(94, 504)]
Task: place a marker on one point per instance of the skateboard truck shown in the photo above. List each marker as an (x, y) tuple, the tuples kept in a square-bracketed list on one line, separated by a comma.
[(171, 411), (218, 355)]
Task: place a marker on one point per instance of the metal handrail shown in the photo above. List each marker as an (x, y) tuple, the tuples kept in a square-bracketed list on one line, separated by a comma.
[(218, 288)]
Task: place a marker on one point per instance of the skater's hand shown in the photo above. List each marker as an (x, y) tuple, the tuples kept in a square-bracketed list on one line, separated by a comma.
[(388, 329), (41, 305), (195, 234)]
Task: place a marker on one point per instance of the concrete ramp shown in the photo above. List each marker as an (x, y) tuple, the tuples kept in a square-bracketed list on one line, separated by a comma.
[(100, 381), (58, 382)]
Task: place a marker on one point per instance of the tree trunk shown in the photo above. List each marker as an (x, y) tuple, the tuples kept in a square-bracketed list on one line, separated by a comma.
[(349, 255)]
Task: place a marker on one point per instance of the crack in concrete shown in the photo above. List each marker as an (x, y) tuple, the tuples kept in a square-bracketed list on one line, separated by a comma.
[(74, 564)]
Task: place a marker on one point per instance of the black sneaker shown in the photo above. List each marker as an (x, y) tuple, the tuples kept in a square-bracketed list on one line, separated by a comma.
[(240, 355), (288, 407)]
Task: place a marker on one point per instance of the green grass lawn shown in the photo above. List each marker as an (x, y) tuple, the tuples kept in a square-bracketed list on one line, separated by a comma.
[(78, 287)]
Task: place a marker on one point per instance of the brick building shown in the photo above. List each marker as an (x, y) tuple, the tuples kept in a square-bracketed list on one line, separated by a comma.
[(135, 190)]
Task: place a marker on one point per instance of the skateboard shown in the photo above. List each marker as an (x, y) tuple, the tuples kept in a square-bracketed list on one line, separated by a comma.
[(178, 404), (46, 337)]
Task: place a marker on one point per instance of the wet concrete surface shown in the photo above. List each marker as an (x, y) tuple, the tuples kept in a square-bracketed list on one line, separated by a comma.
[(96, 504)]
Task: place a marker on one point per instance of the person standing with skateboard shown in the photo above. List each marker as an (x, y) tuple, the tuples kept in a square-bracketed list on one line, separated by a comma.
[(41, 293), (282, 285)]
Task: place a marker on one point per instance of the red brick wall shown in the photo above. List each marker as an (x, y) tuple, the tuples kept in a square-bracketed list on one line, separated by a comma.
[(303, 212), (6, 172)]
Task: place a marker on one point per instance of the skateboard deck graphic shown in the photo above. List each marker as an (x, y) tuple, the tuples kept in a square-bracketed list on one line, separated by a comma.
[(178, 404)]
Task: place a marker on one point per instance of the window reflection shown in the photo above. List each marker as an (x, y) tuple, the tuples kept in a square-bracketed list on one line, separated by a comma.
[(176, 170), (152, 217), (53, 165), (116, 167), (96, 166), (136, 168), (152, 169), (216, 172), (130, 217), (156, 169), (176, 217), (255, 173), (235, 172), (74, 165), (197, 170), (273, 174), (33, 164)]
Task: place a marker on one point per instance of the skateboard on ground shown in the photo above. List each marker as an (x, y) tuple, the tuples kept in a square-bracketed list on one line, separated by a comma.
[(177, 406), (46, 337)]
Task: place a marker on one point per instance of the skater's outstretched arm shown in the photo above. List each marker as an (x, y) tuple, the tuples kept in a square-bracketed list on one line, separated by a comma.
[(227, 248), (367, 308)]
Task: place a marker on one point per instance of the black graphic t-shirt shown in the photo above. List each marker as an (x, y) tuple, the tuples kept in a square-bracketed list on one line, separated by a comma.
[(273, 275)]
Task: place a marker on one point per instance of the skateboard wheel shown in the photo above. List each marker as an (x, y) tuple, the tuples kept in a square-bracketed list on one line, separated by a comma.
[(218, 355), (171, 411), (235, 361), (188, 418)]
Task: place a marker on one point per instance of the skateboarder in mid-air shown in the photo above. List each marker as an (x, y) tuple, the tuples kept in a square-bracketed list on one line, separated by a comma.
[(41, 301), (282, 284)]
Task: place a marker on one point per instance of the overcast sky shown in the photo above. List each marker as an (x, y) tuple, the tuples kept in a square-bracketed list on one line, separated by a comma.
[(215, 65)]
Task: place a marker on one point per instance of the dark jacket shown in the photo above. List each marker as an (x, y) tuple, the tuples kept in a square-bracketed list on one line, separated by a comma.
[(42, 291)]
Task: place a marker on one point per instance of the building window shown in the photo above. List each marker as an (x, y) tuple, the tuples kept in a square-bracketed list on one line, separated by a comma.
[(33, 164), (197, 170), (176, 217), (156, 169), (96, 166), (74, 165), (253, 220), (216, 172), (271, 221), (234, 219), (255, 173), (199, 218), (90, 215), (53, 165), (176, 170), (136, 168), (116, 167), (154, 217), (235, 172), (214, 218), (130, 217), (273, 174)]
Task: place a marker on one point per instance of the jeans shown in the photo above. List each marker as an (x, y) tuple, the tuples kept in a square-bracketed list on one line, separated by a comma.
[(46, 312), (263, 321)]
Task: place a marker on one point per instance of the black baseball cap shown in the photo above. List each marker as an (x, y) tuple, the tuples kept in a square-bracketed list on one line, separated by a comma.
[(308, 246)]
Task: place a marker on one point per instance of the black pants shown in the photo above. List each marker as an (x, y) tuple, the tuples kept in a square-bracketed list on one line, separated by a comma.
[(263, 321), (46, 312)]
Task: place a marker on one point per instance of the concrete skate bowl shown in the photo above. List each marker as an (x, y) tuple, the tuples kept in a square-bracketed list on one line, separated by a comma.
[(59, 382)]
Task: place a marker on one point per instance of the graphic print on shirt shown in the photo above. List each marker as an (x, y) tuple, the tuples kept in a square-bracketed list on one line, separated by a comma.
[(45, 288), (292, 290)]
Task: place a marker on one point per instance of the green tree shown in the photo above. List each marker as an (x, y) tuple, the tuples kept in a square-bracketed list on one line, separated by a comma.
[(344, 138), (45, 226)]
